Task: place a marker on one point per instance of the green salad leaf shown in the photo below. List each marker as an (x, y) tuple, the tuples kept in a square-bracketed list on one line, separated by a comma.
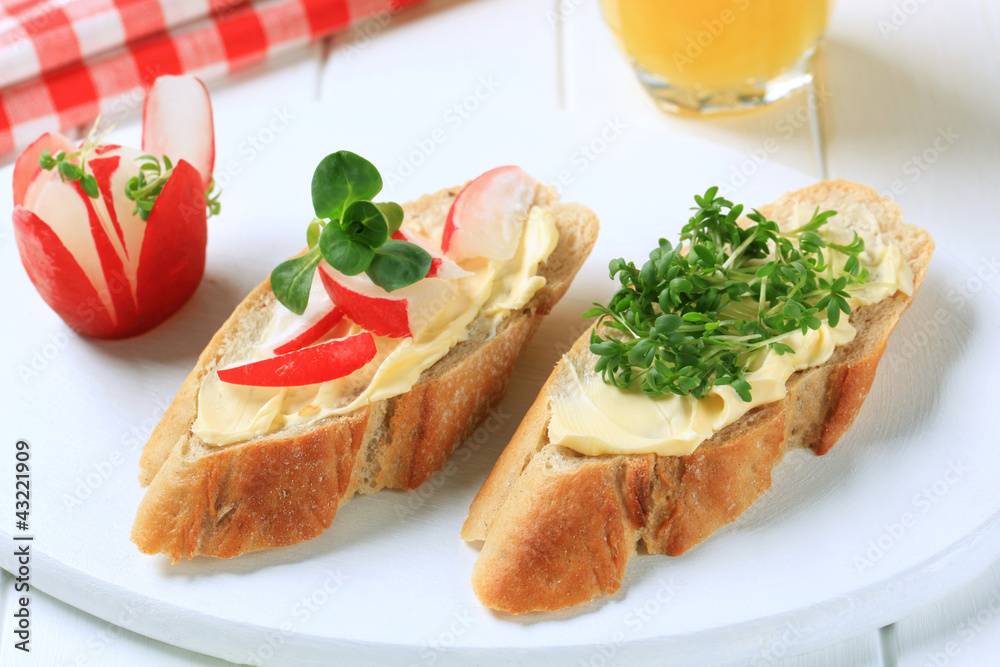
[(351, 232)]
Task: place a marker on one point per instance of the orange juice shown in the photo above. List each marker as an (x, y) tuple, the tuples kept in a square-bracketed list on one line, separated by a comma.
[(710, 44)]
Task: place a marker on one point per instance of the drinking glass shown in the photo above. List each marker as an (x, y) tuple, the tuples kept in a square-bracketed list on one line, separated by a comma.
[(707, 56)]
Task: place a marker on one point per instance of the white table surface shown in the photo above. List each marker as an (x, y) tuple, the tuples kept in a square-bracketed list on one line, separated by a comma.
[(896, 75)]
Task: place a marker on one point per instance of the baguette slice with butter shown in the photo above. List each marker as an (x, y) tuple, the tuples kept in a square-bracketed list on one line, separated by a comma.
[(285, 487), (559, 527)]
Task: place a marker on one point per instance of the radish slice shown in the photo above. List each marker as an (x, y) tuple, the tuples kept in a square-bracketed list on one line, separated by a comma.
[(380, 315), (310, 365), (116, 280), (399, 314), (487, 217), (112, 171), (69, 216), (58, 277), (441, 266), (177, 122), (27, 169), (316, 330), (436, 262), (172, 259)]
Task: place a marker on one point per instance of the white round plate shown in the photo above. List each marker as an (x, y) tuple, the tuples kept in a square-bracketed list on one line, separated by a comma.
[(901, 511)]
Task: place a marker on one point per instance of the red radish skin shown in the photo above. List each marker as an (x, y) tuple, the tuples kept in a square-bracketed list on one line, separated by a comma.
[(172, 260), (119, 289), (313, 333), (310, 365), (103, 169), (58, 277), (383, 317), (26, 168), (177, 122), (487, 216)]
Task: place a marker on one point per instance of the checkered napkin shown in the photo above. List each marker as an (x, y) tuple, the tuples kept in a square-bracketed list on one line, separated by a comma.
[(64, 61)]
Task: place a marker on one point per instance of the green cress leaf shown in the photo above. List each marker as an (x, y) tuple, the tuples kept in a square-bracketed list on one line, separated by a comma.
[(697, 316), (340, 179), (46, 161), (347, 255), (89, 185), (363, 221), (393, 213), (292, 279), (398, 264), (69, 171)]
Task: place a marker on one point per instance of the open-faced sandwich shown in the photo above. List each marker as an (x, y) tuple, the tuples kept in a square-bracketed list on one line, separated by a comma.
[(755, 335), (361, 363)]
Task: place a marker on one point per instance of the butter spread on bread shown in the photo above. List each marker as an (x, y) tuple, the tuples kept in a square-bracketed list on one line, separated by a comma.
[(229, 413), (594, 417)]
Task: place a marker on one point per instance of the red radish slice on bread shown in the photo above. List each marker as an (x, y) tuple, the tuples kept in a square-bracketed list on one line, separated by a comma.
[(396, 314), (310, 365), (487, 217), (317, 326), (177, 122), (441, 266)]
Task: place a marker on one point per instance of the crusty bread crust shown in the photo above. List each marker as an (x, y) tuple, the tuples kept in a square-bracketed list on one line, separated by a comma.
[(286, 487), (559, 527)]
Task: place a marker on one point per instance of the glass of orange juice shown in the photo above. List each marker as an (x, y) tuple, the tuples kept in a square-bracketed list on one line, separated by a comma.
[(709, 56)]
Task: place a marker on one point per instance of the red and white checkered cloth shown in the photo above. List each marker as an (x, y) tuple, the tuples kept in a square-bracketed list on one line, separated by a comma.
[(64, 61)]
